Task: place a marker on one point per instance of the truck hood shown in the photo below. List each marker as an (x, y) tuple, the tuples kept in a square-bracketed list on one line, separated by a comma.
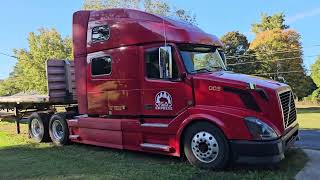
[(228, 89), (242, 80)]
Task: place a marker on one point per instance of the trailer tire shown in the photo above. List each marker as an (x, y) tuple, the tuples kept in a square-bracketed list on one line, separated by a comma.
[(58, 129), (38, 126), (205, 146)]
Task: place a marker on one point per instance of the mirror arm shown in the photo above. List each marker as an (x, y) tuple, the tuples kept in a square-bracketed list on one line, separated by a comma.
[(160, 66), (170, 63)]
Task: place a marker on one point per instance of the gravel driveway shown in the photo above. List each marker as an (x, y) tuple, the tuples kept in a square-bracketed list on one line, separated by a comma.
[(309, 139)]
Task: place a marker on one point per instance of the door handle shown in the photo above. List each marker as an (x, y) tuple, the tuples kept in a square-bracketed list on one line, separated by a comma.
[(148, 106)]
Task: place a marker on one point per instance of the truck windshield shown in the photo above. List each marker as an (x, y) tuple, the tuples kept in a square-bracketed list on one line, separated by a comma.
[(200, 59)]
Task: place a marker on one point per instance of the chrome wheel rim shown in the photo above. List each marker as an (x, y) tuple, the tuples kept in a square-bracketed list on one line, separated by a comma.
[(204, 147), (36, 128), (57, 130)]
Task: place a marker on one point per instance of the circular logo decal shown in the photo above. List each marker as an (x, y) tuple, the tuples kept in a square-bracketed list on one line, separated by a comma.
[(163, 101)]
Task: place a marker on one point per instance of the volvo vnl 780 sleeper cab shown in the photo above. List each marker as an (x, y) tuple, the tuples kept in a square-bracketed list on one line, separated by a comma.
[(148, 83)]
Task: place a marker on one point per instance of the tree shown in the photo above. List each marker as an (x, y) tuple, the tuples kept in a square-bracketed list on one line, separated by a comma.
[(235, 43), (237, 51), (315, 96), (29, 73), (107, 4), (315, 72), (281, 54), (275, 21), (8, 87), (159, 7), (310, 91)]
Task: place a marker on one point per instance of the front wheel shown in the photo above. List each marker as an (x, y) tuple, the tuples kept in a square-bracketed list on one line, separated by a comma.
[(205, 146)]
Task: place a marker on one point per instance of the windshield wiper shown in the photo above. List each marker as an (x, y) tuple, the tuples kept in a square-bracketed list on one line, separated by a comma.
[(219, 68), (200, 70)]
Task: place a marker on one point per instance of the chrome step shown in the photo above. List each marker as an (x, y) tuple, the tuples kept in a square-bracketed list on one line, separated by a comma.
[(156, 147), (73, 120), (74, 137), (81, 116), (162, 125)]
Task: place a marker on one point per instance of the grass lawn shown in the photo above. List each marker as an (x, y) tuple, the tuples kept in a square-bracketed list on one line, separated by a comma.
[(22, 159), (309, 117)]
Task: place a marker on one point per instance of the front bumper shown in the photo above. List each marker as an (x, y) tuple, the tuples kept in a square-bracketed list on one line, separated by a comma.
[(257, 152)]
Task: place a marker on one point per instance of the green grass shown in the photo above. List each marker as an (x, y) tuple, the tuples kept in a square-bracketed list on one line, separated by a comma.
[(309, 117), (22, 159)]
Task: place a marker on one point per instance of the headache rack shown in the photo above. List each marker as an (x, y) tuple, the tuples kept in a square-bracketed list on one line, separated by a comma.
[(289, 112), (61, 92), (61, 81)]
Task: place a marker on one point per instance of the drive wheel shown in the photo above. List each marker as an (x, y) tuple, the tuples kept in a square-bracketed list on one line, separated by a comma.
[(58, 129), (38, 127), (205, 146)]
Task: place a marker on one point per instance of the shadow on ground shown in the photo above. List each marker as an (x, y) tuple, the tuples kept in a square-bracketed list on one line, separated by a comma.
[(86, 162), (11, 119), (22, 159), (309, 139), (315, 109)]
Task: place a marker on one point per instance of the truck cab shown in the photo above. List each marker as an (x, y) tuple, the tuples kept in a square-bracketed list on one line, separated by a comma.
[(153, 84)]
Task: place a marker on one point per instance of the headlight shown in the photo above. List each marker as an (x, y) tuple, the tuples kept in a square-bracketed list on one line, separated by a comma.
[(260, 130)]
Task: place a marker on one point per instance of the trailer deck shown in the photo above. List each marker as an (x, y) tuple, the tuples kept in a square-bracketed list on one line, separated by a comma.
[(20, 107)]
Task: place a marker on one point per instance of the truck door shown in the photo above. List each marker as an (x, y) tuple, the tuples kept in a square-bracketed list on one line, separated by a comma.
[(164, 93)]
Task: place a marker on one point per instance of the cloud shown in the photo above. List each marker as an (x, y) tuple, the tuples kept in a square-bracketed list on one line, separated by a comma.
[(302, 15)]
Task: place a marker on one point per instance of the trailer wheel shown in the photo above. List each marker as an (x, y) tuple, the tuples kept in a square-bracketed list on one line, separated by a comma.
[(58, 129), (38, 127), (205, 146)]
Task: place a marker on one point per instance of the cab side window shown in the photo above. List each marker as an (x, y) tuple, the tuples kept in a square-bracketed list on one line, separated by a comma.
[(152, 65), (101, 66)]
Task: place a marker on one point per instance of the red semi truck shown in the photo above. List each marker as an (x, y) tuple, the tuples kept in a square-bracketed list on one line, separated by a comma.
[(153, 84)]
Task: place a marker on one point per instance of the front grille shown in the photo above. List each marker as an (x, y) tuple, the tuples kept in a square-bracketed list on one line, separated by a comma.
[(288, 108)]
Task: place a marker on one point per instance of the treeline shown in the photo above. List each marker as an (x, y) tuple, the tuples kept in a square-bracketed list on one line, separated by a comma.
[(275, 52), (29, 73), (315, 74)]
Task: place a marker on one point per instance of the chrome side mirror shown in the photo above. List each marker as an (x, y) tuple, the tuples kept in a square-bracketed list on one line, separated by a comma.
[(165, 62)]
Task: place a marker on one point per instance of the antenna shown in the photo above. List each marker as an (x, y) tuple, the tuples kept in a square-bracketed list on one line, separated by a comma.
[(164, 33)]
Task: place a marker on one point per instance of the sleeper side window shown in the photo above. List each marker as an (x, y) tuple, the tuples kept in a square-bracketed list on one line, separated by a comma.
[(152, 65), (101, 66), (100, 33)]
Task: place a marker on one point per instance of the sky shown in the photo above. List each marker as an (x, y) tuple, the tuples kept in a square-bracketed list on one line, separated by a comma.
[(18, 18)]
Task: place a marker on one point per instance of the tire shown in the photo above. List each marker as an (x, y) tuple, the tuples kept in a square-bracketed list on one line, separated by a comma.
[(205, 146), (38, 127), (58, 129)]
